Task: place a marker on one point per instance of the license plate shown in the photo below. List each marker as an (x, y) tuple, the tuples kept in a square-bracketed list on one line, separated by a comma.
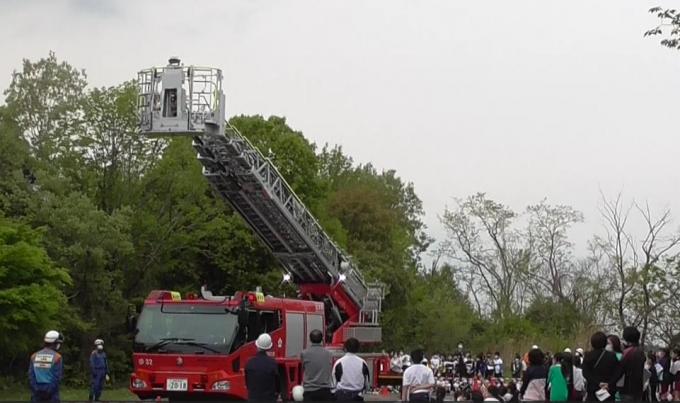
[(176, 385)]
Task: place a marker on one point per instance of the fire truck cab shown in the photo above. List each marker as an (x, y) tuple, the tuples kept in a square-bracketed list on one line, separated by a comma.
[(184, 346)]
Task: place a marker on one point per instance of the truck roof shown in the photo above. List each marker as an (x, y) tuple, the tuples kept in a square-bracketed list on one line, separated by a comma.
[(157, 297)]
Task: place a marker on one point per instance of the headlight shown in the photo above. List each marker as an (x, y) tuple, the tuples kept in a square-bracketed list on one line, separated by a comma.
[(221, 386), (138, 384)]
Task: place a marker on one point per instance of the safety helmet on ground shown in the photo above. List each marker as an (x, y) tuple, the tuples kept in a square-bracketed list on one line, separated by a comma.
[(264, 342), (99, 342), (298, 393), (53, 337)]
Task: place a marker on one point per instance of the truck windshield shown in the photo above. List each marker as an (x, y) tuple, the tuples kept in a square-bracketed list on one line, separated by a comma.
[(183, 328)]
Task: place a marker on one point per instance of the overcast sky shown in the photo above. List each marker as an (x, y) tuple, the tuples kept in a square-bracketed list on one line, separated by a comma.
[(519, 99)]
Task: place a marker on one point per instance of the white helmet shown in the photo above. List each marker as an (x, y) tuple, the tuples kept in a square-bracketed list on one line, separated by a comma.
[(534, 347), (298, 393), (52, 337), (567, 350), (264, 342), (99, 342)]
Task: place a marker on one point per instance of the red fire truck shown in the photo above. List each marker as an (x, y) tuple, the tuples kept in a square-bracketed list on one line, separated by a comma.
[(197, 346)]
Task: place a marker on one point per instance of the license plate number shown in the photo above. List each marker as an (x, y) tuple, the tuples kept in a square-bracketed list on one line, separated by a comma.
[(176, 384)]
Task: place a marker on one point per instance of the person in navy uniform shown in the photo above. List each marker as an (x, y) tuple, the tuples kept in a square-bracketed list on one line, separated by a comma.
[(47, 369), (262, 373), (99, 368)]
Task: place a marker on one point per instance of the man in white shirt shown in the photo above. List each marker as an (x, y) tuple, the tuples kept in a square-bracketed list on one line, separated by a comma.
[(395, 363), (435, 362), (418, 380), (350, 373), (406, 361), (498, 366)]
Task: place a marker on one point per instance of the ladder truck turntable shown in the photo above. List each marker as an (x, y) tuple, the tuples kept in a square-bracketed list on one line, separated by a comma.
[(197, 347)]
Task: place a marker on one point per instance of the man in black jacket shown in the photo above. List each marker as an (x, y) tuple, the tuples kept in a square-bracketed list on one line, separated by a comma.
[(262, 373), (632, 366), (600, 368)]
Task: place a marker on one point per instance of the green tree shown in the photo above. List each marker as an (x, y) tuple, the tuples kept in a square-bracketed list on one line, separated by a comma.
[(186, 237), (441, 314), (381, 220), (45, 99), (15, 164), (96, 248), (117, 156), (31, 292), (292, 154)]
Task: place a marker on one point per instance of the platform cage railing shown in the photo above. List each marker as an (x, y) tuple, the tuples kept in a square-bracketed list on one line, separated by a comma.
[(180, 100), (372, 304)]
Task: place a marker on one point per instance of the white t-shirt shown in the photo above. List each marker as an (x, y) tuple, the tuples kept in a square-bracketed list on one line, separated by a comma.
[(353, 377), (395, 364), (418, 374), (498, 365), (579, 381), (406, 360)]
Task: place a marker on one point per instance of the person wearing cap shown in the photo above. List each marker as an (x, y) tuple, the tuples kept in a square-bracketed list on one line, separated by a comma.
[(578, 357), (99, 370), (46, 369), (262, 373), (317, 364)]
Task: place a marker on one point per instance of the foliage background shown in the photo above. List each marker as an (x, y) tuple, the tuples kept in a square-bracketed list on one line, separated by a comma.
[(93, 217)]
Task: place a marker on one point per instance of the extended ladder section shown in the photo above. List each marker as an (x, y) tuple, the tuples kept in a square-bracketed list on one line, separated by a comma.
[(254, 188)]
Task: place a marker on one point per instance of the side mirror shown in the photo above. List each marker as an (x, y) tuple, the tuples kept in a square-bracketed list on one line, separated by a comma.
[(242, 318), (132, 324), (131, 320)]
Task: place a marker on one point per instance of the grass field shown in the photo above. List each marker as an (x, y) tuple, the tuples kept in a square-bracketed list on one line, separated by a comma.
[(78, 394)]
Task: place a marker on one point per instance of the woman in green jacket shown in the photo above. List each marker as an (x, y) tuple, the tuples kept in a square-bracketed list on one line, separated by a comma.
[(560, 378), (614, 345)]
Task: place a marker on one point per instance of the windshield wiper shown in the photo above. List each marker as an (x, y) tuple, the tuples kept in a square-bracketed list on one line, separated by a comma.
[(167, 340), (201, 345), (181, 341)]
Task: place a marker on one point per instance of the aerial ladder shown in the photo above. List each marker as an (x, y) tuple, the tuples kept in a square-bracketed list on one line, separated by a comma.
[(178, 100)]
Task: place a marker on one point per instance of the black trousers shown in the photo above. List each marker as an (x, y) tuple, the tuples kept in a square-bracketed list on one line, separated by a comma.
[(348, 396), (319, 395), (419, 397)]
